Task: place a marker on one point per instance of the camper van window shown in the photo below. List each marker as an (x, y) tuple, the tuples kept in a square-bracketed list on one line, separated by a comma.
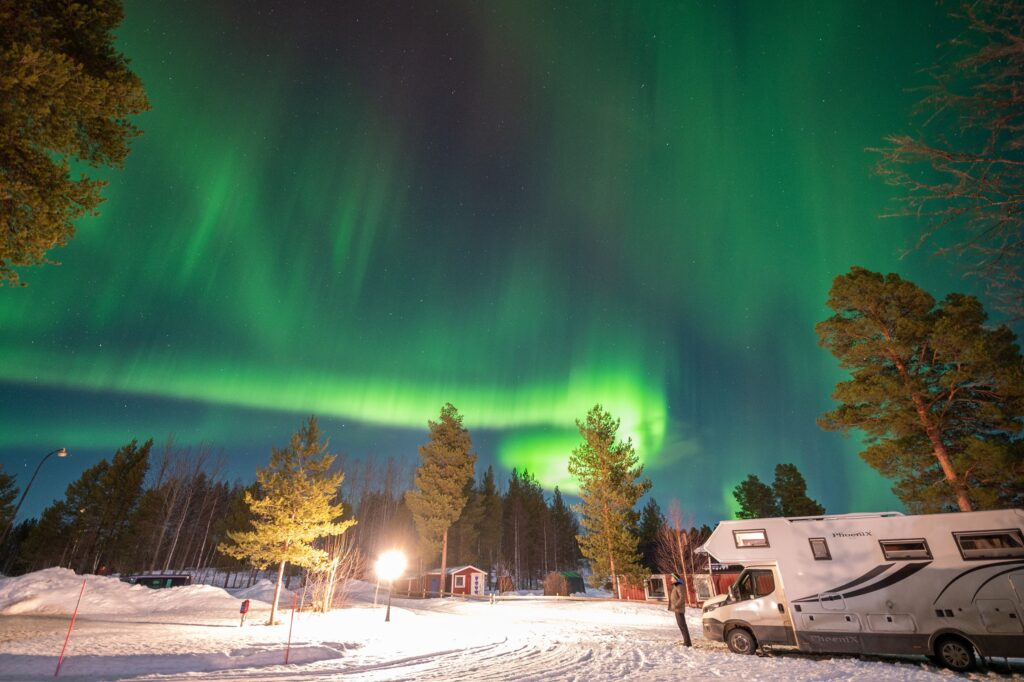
[(750, 538), (990, 544), (756, 583), (819, 548), (905, 549)]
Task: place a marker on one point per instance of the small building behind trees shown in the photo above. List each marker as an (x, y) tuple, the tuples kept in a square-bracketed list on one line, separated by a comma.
[(459, 580), (563, 584)]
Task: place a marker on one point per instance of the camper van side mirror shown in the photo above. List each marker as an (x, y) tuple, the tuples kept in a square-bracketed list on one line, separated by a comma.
[(734, 592)]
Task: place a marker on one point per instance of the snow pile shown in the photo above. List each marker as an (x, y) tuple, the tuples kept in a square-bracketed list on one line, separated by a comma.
[(55, 591), (263, 590)]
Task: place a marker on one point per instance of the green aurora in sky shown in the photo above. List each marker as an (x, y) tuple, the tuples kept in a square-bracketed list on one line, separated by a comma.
[(366, 210)]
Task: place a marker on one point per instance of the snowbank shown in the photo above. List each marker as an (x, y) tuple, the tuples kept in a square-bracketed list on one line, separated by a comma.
[(55, 591)]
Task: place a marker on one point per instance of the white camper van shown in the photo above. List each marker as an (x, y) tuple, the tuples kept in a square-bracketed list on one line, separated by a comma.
[(941, 585)]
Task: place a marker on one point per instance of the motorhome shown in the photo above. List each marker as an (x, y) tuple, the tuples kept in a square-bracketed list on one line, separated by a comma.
[(939, 585)]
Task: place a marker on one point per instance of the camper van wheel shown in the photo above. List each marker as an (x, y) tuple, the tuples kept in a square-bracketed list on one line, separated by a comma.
[(740, 641), (955, 653)]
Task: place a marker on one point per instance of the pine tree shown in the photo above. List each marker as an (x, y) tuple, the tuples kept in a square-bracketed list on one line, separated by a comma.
[(961, 174), (790, 490), (756, 500), (651, 521), (608, 473), (49, 541), (490, 537), (8, 493), (938, 395), (466, 531), (65, 94), (295, 508), (446, 466), (566, 528)]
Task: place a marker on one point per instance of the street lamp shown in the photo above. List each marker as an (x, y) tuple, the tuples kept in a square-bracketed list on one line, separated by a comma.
[(390, 565), (60, 452)]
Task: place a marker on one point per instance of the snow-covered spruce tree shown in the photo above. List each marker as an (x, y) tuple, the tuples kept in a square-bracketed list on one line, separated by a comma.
[(296, 506), (608, 473), (440, 494), (937, 393)]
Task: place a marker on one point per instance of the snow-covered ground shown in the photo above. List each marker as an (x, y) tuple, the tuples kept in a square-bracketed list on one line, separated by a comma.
[(126, 632)]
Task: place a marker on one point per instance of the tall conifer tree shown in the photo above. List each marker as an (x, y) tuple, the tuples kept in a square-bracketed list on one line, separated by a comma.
[(566, 528), (490, 537), (938, 394), (296, 506), (609, 476), (651, 521), (440, 495), (755, 499), (790, 490)]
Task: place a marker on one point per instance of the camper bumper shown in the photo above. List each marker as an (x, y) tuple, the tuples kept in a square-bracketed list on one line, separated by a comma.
[(714, 630)]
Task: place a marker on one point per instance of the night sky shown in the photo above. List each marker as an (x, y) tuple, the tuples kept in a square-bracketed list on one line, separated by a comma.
[(365, 210)]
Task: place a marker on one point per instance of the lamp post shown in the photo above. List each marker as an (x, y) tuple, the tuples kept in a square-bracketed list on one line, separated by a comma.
[(390, 565), (60, 452)]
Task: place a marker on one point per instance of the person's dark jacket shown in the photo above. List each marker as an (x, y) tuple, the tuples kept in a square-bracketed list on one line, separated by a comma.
[(677, 598)]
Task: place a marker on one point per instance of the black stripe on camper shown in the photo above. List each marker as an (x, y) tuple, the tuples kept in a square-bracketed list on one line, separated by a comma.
[(1011, 569), (877, 570), (903, 573), (1013, 562)]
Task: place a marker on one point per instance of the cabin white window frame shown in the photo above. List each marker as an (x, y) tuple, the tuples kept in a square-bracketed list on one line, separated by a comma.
[(823, 544), (1014, 550), (460, 581), (758, 537), (893, 553)]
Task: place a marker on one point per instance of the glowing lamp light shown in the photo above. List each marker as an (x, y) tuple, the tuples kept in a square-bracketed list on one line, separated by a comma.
[(390, 565)]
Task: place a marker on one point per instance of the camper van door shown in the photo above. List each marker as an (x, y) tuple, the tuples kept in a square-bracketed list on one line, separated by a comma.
[(760, 602)]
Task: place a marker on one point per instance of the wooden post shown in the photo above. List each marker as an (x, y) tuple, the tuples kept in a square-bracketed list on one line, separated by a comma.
[(73, 616), (291, 622)]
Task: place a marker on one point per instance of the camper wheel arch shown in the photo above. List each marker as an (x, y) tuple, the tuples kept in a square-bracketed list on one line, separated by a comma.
[(740, 637), (953, 649)]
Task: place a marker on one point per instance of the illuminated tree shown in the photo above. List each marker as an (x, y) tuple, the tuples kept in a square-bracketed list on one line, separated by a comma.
[(441, 479), (296, 506), (964, 172), (608, 473), (939, 396), (65, 94)]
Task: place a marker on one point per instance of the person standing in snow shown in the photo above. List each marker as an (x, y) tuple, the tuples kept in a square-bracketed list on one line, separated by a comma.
[(677, 604)]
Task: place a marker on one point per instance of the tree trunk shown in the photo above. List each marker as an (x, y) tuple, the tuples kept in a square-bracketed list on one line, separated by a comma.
[(277, 593), (938, 447), (444, 560), (682, 561)]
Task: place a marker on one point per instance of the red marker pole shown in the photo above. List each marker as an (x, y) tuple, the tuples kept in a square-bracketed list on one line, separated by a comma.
[(288, 648), (73, 616)]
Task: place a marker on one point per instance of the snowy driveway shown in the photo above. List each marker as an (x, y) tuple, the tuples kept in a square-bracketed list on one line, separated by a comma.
[(196, 637)]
